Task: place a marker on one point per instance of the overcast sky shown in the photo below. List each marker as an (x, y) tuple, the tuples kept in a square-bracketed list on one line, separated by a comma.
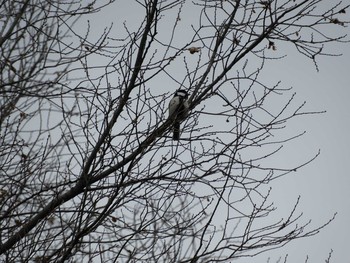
[(324, 185)]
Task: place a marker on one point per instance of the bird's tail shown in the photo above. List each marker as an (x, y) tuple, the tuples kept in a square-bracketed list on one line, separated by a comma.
[(176, 131)]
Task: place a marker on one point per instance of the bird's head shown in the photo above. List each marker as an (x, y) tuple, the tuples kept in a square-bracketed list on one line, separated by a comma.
[(181, 93)]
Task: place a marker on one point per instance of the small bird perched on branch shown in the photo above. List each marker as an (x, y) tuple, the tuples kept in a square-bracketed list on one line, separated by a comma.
[(178, 110)]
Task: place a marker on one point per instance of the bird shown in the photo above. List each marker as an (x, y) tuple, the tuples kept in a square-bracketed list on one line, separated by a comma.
[(178, 110)]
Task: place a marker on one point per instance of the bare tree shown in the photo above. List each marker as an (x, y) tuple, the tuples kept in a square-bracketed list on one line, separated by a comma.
[(89, 170)]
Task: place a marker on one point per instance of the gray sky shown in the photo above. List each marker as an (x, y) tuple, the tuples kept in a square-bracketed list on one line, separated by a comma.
[(324, 185)]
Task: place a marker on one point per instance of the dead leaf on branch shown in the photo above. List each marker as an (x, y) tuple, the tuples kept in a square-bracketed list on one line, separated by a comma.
[(272, 45), (194, 49), (336, 21)]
